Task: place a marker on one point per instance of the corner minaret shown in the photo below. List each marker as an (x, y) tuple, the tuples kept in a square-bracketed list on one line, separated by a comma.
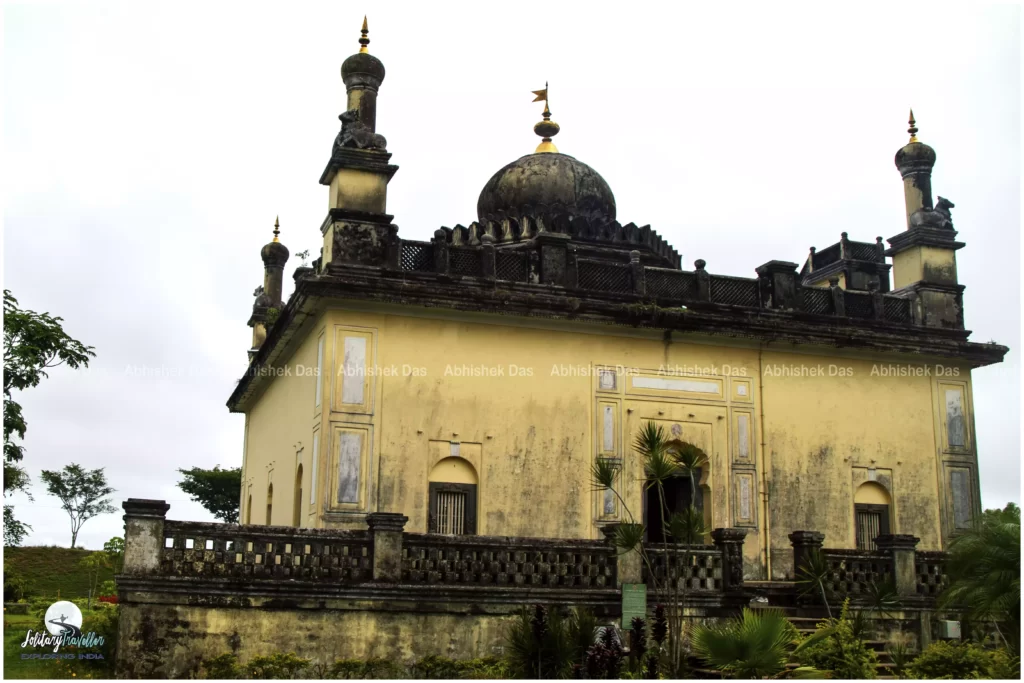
[(268, 296), (357, 226), (924, 256), (915, 161)]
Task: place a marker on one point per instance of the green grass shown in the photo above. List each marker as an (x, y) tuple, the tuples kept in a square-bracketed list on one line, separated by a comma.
[(50, 571)]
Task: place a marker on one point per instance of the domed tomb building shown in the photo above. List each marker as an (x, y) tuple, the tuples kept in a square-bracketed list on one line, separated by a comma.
[(470, 383)]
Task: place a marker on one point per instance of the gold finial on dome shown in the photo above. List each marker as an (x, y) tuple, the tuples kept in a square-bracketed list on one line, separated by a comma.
[(913, 127), (547, 128), (364, 39), (277, 228)]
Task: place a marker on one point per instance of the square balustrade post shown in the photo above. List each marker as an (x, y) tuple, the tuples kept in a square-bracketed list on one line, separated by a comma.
[(628, 564), (805, 544), (143, 535), (386, 530), (903, 550), (730, 542)]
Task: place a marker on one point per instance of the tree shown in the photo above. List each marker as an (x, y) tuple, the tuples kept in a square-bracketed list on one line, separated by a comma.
[(93, 564), (33, 343), (114, 548), (662, 461), (82, 493), (984, 573), (216, 490)]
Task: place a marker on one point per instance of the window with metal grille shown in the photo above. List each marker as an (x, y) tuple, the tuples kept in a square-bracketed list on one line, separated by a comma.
[(451, 512), (871, 522), (452, 508)]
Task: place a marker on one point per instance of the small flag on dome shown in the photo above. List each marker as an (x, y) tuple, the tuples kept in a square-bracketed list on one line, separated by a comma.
[(541, 94)]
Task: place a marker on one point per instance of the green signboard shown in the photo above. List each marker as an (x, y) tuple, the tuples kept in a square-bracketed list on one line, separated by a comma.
[(634, 602)]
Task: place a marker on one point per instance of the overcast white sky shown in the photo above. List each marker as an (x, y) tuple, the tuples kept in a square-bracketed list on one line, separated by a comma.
[(148, 147)]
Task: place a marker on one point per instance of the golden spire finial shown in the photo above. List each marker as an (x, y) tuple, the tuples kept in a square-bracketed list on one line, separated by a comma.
[(277, 228), (546, 128), (364, 40), (913, 127)]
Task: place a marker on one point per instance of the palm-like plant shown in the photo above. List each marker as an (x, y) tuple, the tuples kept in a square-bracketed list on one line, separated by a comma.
[(756, 645), (984, 572), (813, 576)]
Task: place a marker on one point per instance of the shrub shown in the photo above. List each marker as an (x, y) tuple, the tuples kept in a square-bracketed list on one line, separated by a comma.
[(223, 666), (284, 665), (946, 659), (436, 667), (1005, 665), (837, 649)]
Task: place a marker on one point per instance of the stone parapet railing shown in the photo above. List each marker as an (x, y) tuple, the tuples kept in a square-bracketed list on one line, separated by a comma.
[(777, 287), (703, 573), (265, 552), (506, 561), (854, 573), (385, 554)]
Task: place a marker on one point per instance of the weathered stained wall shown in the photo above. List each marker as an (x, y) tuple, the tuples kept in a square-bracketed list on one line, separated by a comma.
[(171, 641), (532, 433)]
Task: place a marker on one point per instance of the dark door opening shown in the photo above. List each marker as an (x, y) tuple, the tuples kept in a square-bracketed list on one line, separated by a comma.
[(678, 495)]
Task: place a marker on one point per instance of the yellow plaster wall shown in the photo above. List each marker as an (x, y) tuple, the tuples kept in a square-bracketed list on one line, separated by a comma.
[(278, 425), (531, 436)]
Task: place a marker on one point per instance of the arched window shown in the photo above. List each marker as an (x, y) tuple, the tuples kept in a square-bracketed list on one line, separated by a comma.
[(677, 495), (452, 489), (297, 504), (871, 504), (270, 501), (248, 510)]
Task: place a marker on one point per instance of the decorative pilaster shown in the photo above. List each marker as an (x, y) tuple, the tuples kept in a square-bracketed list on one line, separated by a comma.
[(143, 535), (903, 549), (387, 528), (730, 542)]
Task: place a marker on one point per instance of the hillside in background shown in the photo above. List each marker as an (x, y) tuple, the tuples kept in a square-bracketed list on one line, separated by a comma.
[(49, 569)]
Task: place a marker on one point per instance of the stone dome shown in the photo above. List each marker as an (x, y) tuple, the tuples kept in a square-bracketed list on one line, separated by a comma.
[(536, 181)]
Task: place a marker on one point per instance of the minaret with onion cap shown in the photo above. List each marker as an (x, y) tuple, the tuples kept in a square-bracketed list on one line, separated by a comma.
[(268, 297), (358, 229), (914, 162), (924, 255)]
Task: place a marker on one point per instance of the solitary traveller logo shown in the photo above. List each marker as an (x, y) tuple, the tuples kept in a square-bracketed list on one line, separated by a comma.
[(63, 623)]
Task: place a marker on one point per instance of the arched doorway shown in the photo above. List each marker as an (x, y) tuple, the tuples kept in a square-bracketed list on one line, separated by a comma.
[(452, 487), (678, 493), (297, 509), (270, 502), (871, 514)]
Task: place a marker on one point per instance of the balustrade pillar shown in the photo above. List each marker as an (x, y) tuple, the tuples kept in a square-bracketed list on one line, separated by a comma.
[(703, 280), (386, 531), (637, 273), (629, 564), (805, 544), (903, 550), (143, 535), (730, 542), (440, 243)]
